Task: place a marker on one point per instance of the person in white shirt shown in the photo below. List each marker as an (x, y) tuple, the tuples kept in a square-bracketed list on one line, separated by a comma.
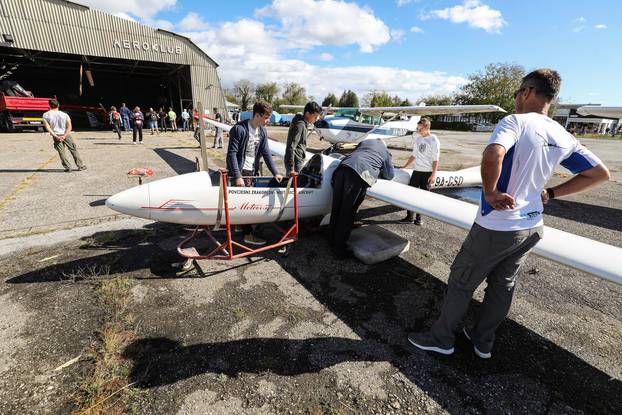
[(58, 124), (426, 153), (521, 156)]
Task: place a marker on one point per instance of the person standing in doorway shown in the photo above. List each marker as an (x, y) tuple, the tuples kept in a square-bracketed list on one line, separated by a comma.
[(521, 156), (58, 124), (172, 119), (152, 118), (162, 116), (218, 135), (125, 116), (185, 117), (426, 152), (115, 120), (138, 118)]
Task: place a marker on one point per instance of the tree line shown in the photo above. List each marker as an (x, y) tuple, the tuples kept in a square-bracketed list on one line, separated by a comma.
[(494, 84)]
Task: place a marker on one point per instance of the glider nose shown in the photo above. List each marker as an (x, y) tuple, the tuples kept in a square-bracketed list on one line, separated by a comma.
[(134, 201)]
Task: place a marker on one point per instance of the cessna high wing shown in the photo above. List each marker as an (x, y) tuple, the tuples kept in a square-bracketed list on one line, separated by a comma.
[(193, 199), (607, 112), (354, 124)]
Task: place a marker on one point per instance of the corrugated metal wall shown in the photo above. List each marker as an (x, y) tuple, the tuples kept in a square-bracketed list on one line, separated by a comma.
[(63, 27)]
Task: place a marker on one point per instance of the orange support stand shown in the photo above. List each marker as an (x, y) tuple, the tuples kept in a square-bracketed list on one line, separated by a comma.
[(227, 249)]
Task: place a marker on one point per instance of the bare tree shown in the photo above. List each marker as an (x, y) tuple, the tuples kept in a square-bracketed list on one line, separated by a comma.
[(244, 91)]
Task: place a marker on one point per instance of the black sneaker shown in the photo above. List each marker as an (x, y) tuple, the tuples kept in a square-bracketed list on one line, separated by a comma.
[(407, 219), (425, 342), (479, 353), (417, 220)]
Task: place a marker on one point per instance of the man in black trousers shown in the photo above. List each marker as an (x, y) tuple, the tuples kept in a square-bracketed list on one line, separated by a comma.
[(355, 174)]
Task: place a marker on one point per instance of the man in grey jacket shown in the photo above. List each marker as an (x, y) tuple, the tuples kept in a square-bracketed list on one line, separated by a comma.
[(355, 174), (295, 151)]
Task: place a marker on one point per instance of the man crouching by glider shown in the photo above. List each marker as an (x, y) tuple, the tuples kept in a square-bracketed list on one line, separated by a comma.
[(520, 158), (248, 141)]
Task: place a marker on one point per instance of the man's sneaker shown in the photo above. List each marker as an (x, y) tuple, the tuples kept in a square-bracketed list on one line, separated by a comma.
[(424, 341), (254, 239), (407, 219), (417, 220), (479, 353)]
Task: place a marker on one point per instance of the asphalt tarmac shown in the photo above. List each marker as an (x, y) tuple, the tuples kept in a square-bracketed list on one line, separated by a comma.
[(304, 333)]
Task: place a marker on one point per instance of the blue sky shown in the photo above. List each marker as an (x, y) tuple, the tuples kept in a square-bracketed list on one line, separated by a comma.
[(411, 48)]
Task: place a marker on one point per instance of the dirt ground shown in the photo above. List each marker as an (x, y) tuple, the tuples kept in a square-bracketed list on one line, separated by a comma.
[(299, 334)]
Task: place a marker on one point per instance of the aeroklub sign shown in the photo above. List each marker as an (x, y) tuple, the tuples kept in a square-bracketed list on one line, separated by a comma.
[(146, 46)]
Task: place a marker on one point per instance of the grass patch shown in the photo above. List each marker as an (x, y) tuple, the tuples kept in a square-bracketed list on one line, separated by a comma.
[(605, 136), (239, 313), (107, 390)]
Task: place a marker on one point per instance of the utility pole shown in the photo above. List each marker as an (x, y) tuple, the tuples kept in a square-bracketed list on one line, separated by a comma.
[(202, 135)]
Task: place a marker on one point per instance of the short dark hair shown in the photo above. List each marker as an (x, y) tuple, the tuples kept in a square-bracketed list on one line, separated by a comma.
[(312, 108), (261, 107), (53, 103), (545, 81)]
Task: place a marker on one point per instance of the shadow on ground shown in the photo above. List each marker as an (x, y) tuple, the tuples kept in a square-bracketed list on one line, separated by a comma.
[(525, 364)]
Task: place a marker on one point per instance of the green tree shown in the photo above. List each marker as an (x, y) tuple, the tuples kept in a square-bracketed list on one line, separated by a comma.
[(230, 96), (437, 100), (267, 91), (348, 99), (294, 94), (406, 103), (243, 91), (331, 100), (495, 84)]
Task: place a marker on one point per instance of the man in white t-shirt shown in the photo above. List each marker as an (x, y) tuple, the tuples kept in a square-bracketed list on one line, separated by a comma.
[(520, 158), (58, 124), (426, 152)]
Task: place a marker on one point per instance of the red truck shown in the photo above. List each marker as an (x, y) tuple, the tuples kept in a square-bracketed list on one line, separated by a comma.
[(20, 113)]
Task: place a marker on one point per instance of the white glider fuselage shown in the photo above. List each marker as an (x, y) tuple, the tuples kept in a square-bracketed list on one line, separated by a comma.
[(193, 198)]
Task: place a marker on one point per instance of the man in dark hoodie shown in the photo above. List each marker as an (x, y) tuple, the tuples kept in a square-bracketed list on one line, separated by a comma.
[(297, 137), (355, 174), (248, 142)]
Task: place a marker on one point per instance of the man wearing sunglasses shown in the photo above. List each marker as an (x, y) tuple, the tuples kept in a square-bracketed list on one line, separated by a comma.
[(520, 158)]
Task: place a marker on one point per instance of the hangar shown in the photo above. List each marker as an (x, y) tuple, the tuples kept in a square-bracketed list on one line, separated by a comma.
[(57, 48)]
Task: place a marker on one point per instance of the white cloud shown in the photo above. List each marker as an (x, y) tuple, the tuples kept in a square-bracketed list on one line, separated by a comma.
[(578, 29), (262, 61), (416, 29), (398, 35), (401, 3), (600, 26), (309, 23), (473, 12), (325, 57), (580, 20), (140, 9), (192, 21)]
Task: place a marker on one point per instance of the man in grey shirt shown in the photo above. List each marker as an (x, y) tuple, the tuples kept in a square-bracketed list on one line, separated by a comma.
[(58, 124)]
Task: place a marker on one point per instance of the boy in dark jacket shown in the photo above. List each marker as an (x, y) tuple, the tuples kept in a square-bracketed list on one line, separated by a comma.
[(295, 151), (248, 142)]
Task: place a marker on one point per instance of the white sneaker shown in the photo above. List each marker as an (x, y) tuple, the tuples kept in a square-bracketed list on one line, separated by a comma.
[(254, 240), (479, 353), (134, 142)]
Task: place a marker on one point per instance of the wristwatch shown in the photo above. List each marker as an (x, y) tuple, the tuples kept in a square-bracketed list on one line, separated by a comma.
[(550, 193)]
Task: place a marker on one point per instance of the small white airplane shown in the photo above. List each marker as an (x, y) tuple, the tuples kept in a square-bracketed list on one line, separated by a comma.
[(607, 112), (194, 199), (354, 124)]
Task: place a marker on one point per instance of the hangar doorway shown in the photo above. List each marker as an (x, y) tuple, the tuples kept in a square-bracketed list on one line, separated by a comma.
[(81, 82)]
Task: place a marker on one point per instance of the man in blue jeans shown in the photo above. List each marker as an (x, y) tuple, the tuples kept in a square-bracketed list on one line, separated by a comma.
[(125, 117), (521, 156), (248, 143)]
